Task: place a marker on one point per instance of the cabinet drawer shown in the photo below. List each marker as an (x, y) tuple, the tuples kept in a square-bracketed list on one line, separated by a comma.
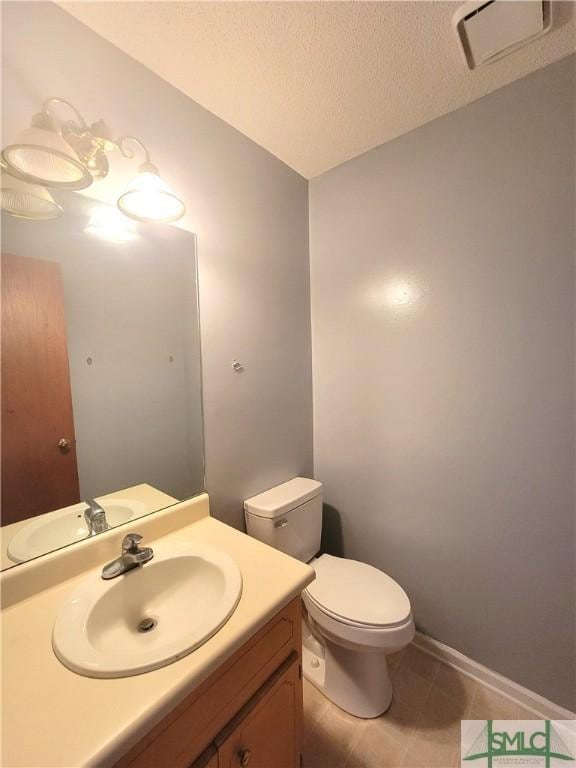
[(181, 736)]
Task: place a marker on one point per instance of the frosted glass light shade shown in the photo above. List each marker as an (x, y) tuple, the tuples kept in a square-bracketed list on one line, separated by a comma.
[(27, 201), (149, 198), (42, 156)]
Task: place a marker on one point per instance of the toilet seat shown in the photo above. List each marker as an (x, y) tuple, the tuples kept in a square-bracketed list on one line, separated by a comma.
[(357, 594), (354, 624), (372, 639)]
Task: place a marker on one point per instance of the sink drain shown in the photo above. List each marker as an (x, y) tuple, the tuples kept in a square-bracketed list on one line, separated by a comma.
[(147, 625)]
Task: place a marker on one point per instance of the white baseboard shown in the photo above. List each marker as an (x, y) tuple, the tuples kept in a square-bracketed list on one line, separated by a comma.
[(541, 707)]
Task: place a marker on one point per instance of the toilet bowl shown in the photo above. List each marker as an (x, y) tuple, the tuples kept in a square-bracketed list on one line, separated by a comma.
[(354, 614)]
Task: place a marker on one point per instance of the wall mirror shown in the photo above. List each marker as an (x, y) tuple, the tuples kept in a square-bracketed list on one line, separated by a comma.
[(101, 380)]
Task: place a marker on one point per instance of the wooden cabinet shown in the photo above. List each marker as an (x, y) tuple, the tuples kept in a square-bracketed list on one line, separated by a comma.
[(266, 733), (247, 714)]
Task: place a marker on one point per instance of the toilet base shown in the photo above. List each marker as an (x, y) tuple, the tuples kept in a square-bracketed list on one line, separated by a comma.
[(357, 682)]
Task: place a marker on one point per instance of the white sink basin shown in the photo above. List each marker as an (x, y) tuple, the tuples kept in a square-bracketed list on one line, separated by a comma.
[(52, 530), (150, 616)]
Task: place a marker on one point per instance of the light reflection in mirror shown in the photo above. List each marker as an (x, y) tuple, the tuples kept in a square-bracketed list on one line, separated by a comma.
[(107, 223)]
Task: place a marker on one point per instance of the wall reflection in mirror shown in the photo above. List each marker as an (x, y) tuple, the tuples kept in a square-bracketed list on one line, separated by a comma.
[(101, 380)]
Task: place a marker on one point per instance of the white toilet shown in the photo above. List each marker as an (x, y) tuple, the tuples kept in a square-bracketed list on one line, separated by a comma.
[(355, 614)]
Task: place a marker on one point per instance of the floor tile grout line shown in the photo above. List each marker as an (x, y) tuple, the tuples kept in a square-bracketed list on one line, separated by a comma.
[(322, 715), (330, 706), (351, 748), (415, 730), (411, 736)]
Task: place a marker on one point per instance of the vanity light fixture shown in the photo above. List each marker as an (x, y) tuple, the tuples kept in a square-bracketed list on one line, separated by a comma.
[(68, 154), (148, 197), (27, 201), (41, 155)]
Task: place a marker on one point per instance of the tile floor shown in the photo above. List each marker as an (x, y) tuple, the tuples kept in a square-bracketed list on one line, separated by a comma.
[(420, 730)]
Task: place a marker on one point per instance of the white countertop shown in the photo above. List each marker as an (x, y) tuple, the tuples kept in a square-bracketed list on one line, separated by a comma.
[(54, 717)]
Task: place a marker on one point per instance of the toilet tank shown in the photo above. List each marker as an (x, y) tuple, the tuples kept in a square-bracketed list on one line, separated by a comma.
[(288, 517)]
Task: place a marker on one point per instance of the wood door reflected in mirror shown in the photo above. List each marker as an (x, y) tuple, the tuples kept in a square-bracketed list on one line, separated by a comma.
[(39, 468), (101, 381)]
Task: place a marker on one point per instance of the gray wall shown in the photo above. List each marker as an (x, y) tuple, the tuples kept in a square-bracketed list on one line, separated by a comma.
[(443, 317), (250, 213)]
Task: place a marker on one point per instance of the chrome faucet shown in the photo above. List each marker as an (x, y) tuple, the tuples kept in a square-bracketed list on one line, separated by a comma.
[(95, 517), (132, 556)]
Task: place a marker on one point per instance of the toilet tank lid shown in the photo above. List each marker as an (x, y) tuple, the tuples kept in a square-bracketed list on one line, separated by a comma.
[(282, 498)]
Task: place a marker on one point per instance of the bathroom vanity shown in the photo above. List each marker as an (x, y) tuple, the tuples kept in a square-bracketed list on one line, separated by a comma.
[(250, 709), (236, 700)]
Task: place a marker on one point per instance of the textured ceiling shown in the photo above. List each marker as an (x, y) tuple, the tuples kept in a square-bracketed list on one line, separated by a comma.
[(316, 83)]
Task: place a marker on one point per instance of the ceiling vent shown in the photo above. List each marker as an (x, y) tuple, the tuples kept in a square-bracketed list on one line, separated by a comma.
[(489, 30)]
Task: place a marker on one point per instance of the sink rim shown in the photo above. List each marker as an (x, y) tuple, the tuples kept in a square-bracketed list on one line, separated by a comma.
[(70, 641), (16, 546)]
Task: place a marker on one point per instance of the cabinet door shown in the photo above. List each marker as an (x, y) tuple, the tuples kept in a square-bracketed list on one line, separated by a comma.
[(266, 733), (208, 758)]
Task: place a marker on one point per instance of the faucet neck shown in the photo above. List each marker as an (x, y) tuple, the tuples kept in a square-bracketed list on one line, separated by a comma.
[(95, 517), (132, 556)]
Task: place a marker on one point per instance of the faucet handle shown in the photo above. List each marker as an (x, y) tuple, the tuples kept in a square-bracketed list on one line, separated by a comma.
[(130, 543)]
